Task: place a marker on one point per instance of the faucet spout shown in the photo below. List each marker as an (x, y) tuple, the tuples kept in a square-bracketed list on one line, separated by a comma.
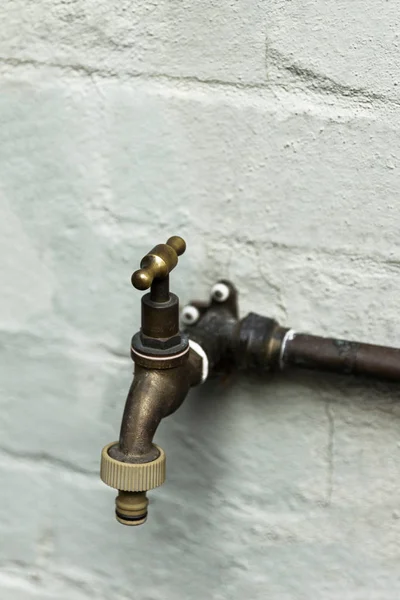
[(135, 464), (153, 395)]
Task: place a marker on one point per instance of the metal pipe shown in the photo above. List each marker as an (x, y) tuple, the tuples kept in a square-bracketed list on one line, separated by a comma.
[(341, 356), (258, 343)]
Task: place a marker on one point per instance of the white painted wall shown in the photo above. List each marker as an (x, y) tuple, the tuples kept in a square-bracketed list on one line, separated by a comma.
[(267, 134)]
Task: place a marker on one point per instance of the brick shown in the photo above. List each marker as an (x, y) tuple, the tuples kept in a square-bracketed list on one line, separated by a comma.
[(179, 39), (347, 48)]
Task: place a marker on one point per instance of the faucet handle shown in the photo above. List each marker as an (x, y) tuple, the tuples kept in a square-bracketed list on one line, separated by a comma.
[(158, 263)]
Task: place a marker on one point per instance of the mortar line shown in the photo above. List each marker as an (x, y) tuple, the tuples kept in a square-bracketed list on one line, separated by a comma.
[(344, 97), (42, 458)]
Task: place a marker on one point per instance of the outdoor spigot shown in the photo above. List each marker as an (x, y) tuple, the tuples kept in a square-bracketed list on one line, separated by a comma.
[(165, 368), (168, 363)]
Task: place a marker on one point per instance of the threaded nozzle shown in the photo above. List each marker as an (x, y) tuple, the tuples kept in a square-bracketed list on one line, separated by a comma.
[(131, 508)]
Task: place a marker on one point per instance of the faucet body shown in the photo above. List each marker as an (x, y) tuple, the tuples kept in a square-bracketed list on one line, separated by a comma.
[(165, 369)]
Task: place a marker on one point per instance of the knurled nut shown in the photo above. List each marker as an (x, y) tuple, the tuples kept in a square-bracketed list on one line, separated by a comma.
[(132, 477)]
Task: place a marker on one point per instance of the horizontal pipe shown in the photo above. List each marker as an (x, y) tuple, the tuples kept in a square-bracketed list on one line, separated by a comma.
[(341, 356)]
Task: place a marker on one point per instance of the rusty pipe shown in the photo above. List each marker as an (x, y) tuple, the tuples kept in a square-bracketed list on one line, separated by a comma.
[(341, 356), (259, 343)]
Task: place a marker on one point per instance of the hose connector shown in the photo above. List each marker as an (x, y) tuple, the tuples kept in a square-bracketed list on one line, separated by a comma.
[(132, 480)]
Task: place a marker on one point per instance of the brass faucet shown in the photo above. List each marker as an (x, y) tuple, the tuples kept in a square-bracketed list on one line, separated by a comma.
[(165, 369), (167, 364)]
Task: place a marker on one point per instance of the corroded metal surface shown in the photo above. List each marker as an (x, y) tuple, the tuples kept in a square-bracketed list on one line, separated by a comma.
[(259, 343), (342, 356), (165, 369)]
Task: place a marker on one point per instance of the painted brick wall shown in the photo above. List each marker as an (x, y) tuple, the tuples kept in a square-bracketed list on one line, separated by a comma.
[(267, 134)]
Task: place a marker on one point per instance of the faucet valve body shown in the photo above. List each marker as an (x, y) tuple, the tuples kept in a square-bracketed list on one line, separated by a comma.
[(165, 368)]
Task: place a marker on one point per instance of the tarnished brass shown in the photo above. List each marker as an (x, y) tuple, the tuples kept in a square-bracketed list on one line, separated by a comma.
[(160, 308), (160, 319), (159, 262), (165, 369), (154, 394)]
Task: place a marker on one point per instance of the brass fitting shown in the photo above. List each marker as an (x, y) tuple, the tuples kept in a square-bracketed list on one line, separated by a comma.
[(165, 369)]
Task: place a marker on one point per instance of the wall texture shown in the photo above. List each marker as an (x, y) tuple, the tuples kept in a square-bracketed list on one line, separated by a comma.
[(267, 134)]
